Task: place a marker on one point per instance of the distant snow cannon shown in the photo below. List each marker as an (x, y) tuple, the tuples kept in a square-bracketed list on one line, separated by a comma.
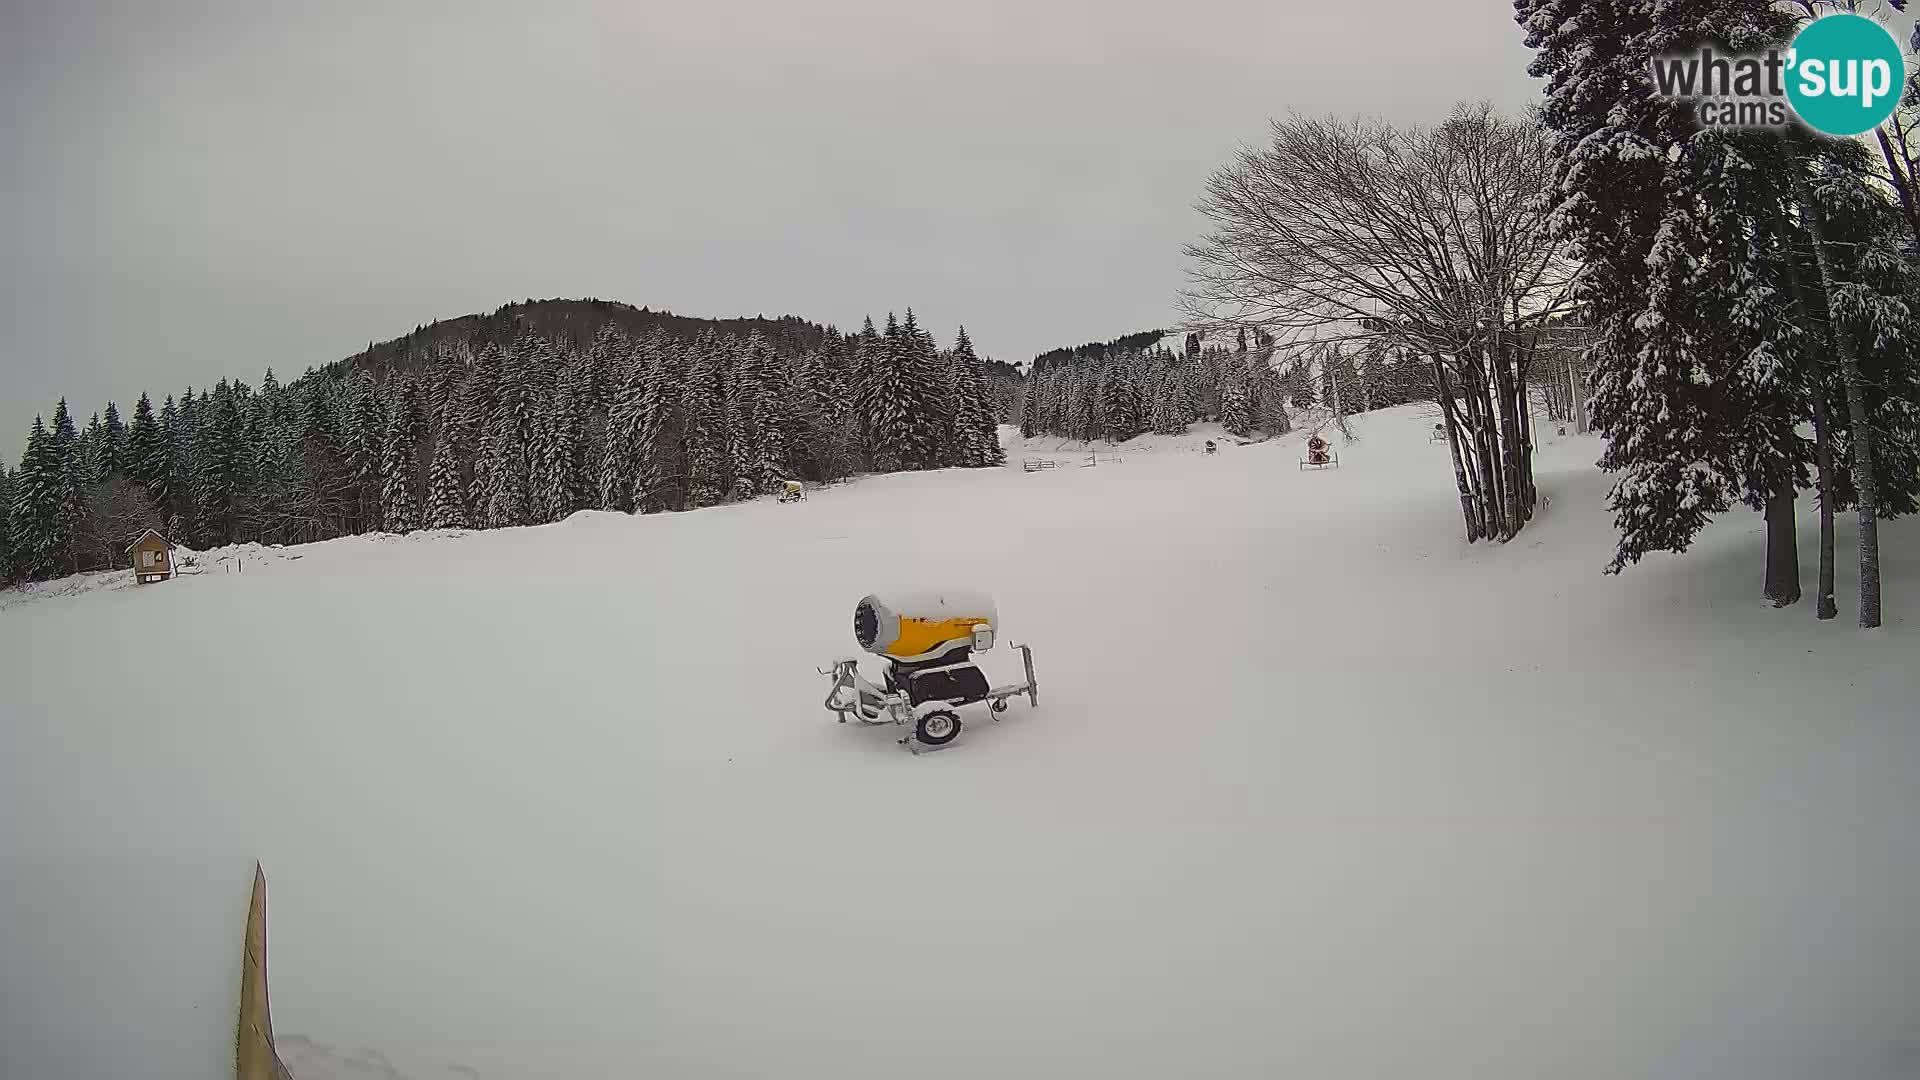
[(928, 640), (1319, 454)]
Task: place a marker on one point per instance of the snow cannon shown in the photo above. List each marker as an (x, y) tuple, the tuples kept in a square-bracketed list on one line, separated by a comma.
[(927, 640)]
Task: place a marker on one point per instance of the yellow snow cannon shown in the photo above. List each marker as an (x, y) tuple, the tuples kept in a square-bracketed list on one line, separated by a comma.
[(927, 639)]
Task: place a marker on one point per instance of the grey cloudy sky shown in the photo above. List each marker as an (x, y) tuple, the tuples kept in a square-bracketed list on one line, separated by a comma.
[(199, 190)]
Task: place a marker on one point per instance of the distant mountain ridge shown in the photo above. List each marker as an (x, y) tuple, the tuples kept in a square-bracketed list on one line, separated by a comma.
[(1098, 350), (571, 323)]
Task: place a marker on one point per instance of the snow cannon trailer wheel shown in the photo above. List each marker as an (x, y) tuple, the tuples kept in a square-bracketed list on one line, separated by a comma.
[(999, 704), (937, 728)]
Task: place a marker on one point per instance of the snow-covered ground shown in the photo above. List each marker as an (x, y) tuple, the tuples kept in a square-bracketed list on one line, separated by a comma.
[(1314, 790)]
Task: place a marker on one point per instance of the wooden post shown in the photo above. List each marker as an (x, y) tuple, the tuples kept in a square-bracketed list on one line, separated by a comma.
[(254, 1055)]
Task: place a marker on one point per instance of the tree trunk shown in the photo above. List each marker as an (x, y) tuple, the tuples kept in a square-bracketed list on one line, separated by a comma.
[(1868, 507), (1512, 447), (1783, 549), (1473, 434), (1497, 457), (1522, 445), (1576, 391), (1469, 510), (1339, 408), (1824, 606), (1492, 466)]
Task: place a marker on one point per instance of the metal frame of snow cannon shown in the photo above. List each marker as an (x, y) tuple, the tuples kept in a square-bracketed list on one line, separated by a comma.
[(933, 720)]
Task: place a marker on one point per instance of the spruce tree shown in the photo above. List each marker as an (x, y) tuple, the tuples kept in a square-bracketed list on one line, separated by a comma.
[(146, 453), (1116, 402), (923, 400), (762, 392), (6, 523), (364, 430), (400, 509), (976, 431), (654, 402), (165, 486), (703, 425), (1081, 389), (629, 476), (502, 471), (1268, 397), (886, 397), (322, 498), (218, 476), (607, 363), (115, 451), (834, 431), (183, 466), (556, 492), (93, 453), (1236, 411), (66, 501), (736, 410), (580, 436), (1032, 409), (40, 537), (65, 437), (266, 507), (446, 488), (618, 458)]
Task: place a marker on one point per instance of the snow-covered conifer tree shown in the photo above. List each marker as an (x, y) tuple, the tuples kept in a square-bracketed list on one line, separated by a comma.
[(446, 488), (400, 507), (703, 424), (39, 538)]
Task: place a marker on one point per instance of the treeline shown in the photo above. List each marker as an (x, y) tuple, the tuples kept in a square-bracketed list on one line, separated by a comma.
[(491, 429), (1113, 392)]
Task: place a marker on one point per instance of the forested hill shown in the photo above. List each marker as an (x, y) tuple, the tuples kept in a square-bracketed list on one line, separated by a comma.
[(1098, 350), (571, 324), (521, 417)]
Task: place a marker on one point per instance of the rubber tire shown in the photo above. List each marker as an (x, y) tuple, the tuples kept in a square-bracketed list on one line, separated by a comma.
[(952, 732), (999, 704)]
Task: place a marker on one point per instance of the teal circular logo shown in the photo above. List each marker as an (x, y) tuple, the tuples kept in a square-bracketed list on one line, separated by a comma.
[(1845, 74)]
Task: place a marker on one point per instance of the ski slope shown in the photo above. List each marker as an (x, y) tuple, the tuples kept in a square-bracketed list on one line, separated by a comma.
[(1314, 789)]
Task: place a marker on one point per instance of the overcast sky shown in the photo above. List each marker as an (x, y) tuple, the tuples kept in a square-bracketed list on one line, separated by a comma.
[(201, 190)]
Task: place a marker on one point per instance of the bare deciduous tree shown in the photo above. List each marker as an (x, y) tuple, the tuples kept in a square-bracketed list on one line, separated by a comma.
[(115, 512), (1430, 243)]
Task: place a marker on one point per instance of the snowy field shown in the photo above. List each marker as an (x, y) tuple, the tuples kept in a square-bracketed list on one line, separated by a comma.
[(1313, 790)]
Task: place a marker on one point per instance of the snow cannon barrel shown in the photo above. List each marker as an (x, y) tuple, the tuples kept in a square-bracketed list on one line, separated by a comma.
[(920, 626)]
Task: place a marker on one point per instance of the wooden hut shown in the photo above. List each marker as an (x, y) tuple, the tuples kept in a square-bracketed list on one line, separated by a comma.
[(152, 558)]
